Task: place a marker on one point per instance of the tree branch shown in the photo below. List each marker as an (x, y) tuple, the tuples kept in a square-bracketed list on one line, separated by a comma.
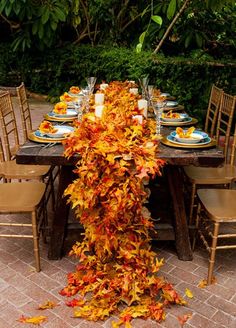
[(13, 25), (186, 2), (87, 20)]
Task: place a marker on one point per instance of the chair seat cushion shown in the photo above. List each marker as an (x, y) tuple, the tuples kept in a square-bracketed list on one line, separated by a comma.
[(220, 204), (211, 175), (20, 196)]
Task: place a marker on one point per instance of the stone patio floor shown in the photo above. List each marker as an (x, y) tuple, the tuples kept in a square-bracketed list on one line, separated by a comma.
[(22, 289)]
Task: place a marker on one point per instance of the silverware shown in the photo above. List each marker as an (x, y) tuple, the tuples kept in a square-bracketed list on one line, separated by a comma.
[(32, 146)]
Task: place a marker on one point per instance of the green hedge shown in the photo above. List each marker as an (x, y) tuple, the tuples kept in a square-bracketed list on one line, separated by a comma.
[(54, 71)]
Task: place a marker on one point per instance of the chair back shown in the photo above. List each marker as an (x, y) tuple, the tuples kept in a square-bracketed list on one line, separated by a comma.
[(8, 126), (213, 110), (224, 123), (233, 150), (2, 157), (24, 110)]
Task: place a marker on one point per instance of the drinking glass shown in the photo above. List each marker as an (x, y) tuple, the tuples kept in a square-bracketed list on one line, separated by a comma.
[(144, 84), (150, 91), (91, 82), (86, 93), (158, 107)]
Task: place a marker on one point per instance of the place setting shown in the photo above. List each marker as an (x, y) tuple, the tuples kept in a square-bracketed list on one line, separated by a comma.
[(172, 118), (173, 104), (49, 133), (62, 113), (188, 138)]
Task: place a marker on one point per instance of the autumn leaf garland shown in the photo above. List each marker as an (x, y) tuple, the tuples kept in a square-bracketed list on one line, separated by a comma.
[(116, 263)]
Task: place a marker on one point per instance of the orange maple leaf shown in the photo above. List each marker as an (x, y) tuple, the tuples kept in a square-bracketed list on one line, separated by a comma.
[(47, 305), (184, 318), (33, 320), (75, 302)]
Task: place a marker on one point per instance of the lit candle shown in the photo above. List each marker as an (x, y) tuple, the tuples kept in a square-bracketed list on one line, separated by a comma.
[(99, 98), (99, 110), (143, 104), (139, 118), (133, 91)]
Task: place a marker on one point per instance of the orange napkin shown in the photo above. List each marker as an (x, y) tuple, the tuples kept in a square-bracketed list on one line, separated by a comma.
[(60, 108), (47, 127)]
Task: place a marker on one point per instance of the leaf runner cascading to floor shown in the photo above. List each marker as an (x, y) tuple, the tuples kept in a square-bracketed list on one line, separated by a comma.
[(116, 264)]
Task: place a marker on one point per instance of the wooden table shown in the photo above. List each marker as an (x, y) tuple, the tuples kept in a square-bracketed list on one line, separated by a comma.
[(176, 159)]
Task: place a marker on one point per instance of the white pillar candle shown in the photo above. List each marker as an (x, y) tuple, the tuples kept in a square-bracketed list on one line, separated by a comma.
[(143, 104), (103, 86), (139, 118), (99, 98), (133, 91), (99, 110)]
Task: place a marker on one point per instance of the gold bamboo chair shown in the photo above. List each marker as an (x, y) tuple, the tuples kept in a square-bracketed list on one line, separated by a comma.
[(212, 110), (22, 197), (24, 111), (215, 216), (27, 127), (198, 177), (9, 168)]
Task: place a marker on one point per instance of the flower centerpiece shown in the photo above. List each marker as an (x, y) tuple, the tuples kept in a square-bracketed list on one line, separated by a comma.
[(116, 263)]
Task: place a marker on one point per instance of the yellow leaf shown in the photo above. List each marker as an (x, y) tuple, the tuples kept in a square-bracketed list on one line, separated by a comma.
[(202, 283), (116, 324), (188, 293), (33, 320), (47, 305)]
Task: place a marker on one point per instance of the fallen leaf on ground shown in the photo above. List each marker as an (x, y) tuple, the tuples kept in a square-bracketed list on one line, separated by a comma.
[(203, 282), (33, 320), (184, 318), (188, 293), (47, 305)]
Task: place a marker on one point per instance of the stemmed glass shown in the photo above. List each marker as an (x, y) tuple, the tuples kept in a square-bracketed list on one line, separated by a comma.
[(150, 90), (91, 83), (158, 107), (86, 93), (144, 85)]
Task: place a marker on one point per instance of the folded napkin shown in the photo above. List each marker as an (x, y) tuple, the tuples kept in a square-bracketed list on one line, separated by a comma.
[(47, 127)]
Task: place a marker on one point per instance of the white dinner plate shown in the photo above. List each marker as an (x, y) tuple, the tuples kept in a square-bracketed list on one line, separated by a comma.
[(69, 113), (62, 132), (75, 94)]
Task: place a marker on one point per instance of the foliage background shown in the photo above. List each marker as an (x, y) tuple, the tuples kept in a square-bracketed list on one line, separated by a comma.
[(188, 79), (52, 44)]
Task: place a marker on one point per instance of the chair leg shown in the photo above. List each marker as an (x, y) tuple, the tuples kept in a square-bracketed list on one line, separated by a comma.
[(52, 190), (213, 252), (193, 192), (35, 240), (197, 226)]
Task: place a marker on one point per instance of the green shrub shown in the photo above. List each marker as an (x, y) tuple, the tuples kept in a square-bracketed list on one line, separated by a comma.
[(55, 70)]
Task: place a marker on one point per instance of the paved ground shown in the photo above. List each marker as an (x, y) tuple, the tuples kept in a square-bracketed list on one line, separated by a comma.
[(22, 289)]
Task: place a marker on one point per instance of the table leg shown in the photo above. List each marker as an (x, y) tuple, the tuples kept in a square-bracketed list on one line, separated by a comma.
[(60, 216), (175, 181)]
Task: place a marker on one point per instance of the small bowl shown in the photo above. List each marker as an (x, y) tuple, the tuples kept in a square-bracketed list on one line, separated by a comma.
[(169, 119), (195, 137), (171, 103), (165, 94)]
